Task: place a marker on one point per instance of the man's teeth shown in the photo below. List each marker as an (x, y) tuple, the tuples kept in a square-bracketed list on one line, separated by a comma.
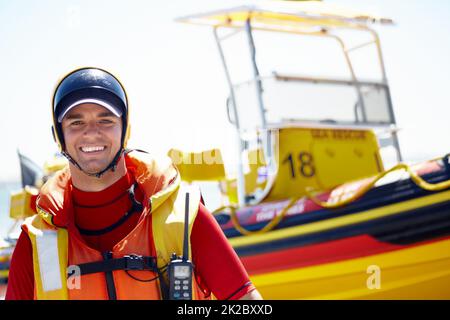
[(92, 149)]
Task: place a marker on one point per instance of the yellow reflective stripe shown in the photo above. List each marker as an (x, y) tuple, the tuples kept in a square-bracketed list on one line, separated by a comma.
[(47, 255), (341, 221), (49, 248), (63, 255)]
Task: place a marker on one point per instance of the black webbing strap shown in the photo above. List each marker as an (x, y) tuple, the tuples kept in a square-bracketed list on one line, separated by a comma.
[(130, 262), (107, 256)]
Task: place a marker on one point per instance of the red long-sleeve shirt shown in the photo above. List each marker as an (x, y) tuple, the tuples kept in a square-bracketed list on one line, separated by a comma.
[(216, 262)]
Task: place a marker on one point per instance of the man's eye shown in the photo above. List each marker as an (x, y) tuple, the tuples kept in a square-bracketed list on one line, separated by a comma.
[(105, 121), (76, 123)]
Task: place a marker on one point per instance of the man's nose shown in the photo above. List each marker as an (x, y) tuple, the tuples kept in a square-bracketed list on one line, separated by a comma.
[(92, 128)]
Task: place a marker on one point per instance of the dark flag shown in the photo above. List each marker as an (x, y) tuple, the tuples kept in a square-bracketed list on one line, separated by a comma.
[(30, 171)]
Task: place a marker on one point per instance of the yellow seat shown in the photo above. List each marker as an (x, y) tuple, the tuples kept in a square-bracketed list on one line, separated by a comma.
[(201, 166), (322, 158), (20, 203)]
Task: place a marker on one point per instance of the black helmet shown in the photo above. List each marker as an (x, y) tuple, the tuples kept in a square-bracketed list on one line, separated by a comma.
[(89, 85)]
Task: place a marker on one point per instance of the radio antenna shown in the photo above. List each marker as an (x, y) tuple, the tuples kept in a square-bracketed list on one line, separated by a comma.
[(186, 230)]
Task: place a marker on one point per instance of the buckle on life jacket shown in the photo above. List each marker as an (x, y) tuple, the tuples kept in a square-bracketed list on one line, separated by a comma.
[(128, 262), (138, 262)]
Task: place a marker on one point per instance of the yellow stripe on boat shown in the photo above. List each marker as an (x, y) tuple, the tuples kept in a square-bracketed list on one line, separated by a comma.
[(421, 272), (341, 221)]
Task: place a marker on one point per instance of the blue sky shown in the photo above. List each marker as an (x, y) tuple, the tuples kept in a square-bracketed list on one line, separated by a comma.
[(174, 77)]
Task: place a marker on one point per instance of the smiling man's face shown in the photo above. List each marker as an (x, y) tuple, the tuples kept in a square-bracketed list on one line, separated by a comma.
[(92, 135)]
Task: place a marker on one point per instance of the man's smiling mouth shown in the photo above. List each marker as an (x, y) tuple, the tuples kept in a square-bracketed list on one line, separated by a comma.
[(91, 149)]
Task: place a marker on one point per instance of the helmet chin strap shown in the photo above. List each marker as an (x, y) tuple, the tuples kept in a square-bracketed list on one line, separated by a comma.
[(112, 166)]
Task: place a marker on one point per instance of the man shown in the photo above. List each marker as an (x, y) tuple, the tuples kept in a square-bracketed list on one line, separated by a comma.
[(108, 224)]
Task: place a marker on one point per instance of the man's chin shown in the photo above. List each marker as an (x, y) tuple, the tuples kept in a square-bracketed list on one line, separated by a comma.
[(93, 169), (92, 165)]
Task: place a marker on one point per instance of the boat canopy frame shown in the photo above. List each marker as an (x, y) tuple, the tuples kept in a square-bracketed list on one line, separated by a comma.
[(309, 18)]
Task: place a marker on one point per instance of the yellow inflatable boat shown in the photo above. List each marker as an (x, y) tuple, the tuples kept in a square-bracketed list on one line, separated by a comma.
[(312, 210)]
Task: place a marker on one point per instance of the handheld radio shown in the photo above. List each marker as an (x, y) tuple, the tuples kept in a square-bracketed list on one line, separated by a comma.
[(180, 268)]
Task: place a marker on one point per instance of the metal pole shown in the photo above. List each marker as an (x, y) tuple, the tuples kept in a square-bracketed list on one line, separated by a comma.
[(240, 169), (259, 88), (388, 93), (352, 72), (259, 92)]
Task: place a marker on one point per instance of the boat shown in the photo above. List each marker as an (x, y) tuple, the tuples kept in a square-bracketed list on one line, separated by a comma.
[(321, 204)]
